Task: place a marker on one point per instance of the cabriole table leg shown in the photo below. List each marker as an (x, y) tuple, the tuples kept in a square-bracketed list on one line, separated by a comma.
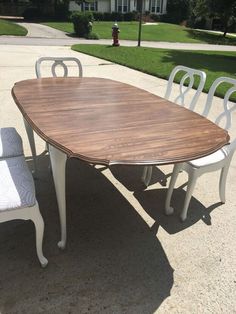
[(58, 162)]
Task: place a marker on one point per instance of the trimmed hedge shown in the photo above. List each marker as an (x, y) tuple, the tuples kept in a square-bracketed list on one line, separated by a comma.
[(115, 16), (82, 22)]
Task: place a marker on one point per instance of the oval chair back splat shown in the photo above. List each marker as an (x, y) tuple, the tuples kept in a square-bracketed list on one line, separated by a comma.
[(58, 62), (55, 63), (186, 84)]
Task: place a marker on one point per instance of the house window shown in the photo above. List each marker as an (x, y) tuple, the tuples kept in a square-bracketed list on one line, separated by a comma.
[(90, 6), (122, 6), (154, 6)]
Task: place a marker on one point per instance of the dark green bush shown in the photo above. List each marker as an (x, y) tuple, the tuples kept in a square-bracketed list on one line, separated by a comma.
[(31, 13), (129, 16), (177, 11), (82, 22), (62, 11), (117, 16), (92, 36), (155, 17), (98, 16), (107, 16)]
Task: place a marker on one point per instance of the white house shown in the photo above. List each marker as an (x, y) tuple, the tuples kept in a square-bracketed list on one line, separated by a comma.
[(153, 6)]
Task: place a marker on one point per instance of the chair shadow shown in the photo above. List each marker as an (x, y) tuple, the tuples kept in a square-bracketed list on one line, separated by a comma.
[(113, 262), (153, 201), (130, 176)]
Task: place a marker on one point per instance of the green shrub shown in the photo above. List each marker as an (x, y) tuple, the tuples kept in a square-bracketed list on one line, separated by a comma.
[(31, 13), (155, 17), (107, 16), (82, 22), (117, 16), (62, 11), (177, 11), (129, 16), (98, 16), (92, 36)]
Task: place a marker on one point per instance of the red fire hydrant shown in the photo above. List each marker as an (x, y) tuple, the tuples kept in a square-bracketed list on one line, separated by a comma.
[(115, 32)]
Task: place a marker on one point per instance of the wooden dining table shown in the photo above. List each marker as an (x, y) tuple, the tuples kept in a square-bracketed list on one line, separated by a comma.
[(102, 121)]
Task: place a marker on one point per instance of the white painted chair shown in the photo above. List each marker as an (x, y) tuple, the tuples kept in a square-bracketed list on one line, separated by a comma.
[(185, 86), (220, 160), (17, 193), (55, 63)]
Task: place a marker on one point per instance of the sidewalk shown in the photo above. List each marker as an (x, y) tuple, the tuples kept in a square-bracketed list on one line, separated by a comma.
[(42, 35), (123, 255)]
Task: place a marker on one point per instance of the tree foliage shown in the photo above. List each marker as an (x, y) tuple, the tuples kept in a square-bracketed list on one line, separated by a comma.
[(177, 10), (225, 10), (83, 1)]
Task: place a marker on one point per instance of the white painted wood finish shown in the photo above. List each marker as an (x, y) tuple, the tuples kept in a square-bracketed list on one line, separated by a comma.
[(17, 197), (58, 163), (57, 62), (33, 214), (220, 160), (189, 77), (53, 63)]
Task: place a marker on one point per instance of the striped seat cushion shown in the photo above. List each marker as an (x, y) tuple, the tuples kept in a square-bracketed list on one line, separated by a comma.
[(10, 143), (16, 184)]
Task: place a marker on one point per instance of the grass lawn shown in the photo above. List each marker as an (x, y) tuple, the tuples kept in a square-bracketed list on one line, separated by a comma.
[(9, 28), (160, 62), (160, 32)]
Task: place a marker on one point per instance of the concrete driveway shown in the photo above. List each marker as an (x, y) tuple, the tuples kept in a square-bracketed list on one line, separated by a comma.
[(123, 254)]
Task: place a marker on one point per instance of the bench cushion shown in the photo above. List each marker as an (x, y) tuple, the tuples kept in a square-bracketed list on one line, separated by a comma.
[(10, 143), (16, 184)]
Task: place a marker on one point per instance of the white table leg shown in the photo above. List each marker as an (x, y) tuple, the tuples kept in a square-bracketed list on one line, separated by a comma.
[(30, 134), (58, 162)]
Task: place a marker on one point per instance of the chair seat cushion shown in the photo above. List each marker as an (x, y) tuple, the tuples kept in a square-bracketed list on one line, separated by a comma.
[(16, 184), (10, 143), (213, 158)]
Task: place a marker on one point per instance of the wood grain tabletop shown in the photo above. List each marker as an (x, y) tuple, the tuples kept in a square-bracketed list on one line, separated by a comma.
[(107, 122)]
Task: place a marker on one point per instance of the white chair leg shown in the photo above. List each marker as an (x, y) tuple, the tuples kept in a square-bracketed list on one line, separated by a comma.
[(147, 175), (30, 134), (144, 174), (168, 209), (222, 184), (190, 187), (58, 163), (37, 219)]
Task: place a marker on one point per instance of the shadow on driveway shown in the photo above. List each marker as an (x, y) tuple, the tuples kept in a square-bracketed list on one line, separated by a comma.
[(113, 262)]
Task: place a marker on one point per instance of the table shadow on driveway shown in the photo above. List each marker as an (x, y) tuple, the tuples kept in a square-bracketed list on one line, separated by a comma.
[(113, 262)]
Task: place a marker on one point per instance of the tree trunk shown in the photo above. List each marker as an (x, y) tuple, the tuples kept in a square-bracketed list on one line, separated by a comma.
[(225, 25)]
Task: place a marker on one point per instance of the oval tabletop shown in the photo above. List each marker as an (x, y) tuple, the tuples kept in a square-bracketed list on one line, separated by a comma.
[(108, 122)]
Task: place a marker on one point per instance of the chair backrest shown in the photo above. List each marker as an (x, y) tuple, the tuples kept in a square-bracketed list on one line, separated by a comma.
[(185, 86), (225, 116), (58, 62)]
